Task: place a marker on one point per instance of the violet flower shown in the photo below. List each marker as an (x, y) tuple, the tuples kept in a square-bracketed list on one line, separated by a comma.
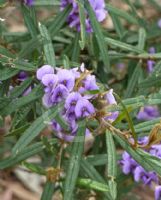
[(66, 78), (71, 101), (29, 2), (130, 166), (45, 69), (159, 23), (59, 94), (148, 113), (158, 192), (112, 116), (151, 63), (68, 87), (146, 177), (73, 18), (84, 108)]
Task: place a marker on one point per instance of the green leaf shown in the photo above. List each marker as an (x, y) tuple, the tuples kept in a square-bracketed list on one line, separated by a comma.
[(18, 90), (129, 120), (34, 130), (82, 25), (92, 173), (34, 168), (146, 126), (48, 191), (29, 21), (24, 154), (90, 184), (58, 21), (6, 73), (133, 80), (48, 47), (99, 36), (18, 103), (74, 163), (5, 52), (142, 38), (112, 164), (121, 13), (98, 159), (123, 45), (118, 25), (76, 48), (154, 79)]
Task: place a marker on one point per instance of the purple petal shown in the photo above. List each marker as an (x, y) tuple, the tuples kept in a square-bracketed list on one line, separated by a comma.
[(84, 108), (148, 113), (110, 98), (158, 192), (72, 100), (138, 173), (50, 80), (66, 78), (45, 69), (59, 93), (47, 100)]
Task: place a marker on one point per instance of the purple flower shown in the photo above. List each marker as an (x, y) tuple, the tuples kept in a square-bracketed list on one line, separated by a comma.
[(73, 18), (148, 113), (155, 150), (127, 163), (88, 84), (47, 100), (59, 93), (99, 8), (22, 76), (45, 69), (151, 63), (84, 108), (71, 101), (159, 23), (158, 192), (112, 116), (66, 78), (50, 81), (146, 177), (28, 2), (60, 85)]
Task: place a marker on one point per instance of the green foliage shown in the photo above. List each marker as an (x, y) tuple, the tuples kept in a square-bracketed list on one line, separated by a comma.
[(49, 40)]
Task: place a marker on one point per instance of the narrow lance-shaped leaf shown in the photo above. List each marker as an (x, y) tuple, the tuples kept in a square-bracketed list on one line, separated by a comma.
[(34, 130), (29, 21), (142, 38), (112, 164), (48, 191), (93, 174), (133, 80), (27, 152), (74, 163), (48, 47), (82, 24), (90, 184)]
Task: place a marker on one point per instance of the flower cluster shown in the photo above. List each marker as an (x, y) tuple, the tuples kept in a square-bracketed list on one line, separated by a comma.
[(73, 87), (130, 166), (73, 18)]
